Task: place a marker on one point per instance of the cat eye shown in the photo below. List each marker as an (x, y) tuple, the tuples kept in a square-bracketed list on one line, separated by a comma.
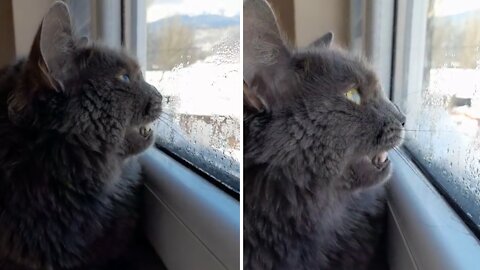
[(353, 96), (124, 78)]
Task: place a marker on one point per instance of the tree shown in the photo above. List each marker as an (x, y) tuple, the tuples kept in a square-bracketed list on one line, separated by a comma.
[(171, 43)]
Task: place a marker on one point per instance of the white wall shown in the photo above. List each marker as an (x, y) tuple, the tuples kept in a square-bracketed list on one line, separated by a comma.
[(7, 45), (27, 15), (313, 18)]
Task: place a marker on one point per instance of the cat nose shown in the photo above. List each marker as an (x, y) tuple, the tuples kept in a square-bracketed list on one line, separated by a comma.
[(156, 93), (401, 117), (398, 108), (153, 107)]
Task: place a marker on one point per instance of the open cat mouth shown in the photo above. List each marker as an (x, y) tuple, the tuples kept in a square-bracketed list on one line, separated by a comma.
[(146, 131), (380, 160)]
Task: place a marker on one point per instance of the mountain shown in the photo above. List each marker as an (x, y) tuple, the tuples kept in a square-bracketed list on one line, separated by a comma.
[(198, 22)]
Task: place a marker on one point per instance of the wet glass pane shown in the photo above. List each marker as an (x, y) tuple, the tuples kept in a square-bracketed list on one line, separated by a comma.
[(81, 12), (444, 116), (193, 58)]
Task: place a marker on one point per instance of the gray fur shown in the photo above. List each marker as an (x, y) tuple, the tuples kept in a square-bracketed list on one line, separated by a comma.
[(69, 132), (313, 196)]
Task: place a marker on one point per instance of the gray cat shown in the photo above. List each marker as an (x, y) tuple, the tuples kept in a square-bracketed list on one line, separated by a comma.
[(72, 118), (316, 130)]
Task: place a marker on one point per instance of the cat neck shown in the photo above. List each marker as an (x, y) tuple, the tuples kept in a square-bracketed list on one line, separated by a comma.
[(299, 201), (45, 158)]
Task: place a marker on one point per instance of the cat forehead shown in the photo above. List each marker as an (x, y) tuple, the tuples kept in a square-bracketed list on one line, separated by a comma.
[(337, 62), (105, 57), (328, 58)]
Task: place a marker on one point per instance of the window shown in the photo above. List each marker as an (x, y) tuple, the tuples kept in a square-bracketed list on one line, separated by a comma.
[(438, 69), (81, 17), (97, 20), (193, 59)]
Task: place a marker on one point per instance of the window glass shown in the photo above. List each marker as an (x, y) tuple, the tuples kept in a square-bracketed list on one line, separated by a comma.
[(81, 17), (443, 117), (193, 58)]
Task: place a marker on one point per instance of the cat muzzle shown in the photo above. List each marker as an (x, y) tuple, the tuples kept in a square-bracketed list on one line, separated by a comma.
[(380, 159), (146, 131)]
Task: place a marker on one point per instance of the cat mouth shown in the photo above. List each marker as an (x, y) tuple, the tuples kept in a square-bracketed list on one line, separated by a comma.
[(380, 160), (146, 131)]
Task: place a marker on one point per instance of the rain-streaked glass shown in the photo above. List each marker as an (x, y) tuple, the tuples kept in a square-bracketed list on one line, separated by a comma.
[(443, 117), (193, 58)]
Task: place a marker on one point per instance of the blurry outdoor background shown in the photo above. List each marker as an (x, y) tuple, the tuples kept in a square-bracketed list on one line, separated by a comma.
[(193, 58), (443, 117)]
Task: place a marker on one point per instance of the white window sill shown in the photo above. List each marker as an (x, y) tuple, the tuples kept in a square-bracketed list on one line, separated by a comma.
[(424, 231), (191, 223)]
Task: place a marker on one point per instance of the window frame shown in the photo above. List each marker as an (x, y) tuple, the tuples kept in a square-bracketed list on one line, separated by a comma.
[(191, 218), (105, 18), (424, 230), (409, 57), (222, 185), (134, 22), (188, 220), (371, 35), (409, 47), (135, 40)]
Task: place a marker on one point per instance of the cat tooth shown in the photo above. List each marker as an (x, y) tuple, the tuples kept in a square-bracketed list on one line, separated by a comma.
[(143, 131), (382, 157), (149, 126)]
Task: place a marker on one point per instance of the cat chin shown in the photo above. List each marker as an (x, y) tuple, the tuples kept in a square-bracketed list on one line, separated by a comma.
[(138, 139), (380, 160), (375, 162), (146, 131)]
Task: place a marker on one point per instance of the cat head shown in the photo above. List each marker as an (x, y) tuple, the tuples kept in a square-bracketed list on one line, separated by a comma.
[(91, 94), (316, 108)]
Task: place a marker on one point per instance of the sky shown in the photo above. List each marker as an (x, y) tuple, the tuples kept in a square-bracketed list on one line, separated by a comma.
[(454, 7), (160, 9)]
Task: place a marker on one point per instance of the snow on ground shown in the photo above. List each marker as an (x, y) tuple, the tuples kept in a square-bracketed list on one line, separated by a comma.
[(447, 137), (464, 83), (207, 87)]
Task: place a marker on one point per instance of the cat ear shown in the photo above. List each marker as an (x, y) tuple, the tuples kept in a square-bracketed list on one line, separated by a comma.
[(251, 101), (53, 45), (266, 59), (324, 41)]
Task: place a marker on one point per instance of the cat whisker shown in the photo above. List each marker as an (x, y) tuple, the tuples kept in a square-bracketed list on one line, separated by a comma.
[(168, 115), (168, 118), (441, 131), (427, 130), (171, 128), (171, 114), (167, 122), (423, 130)]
